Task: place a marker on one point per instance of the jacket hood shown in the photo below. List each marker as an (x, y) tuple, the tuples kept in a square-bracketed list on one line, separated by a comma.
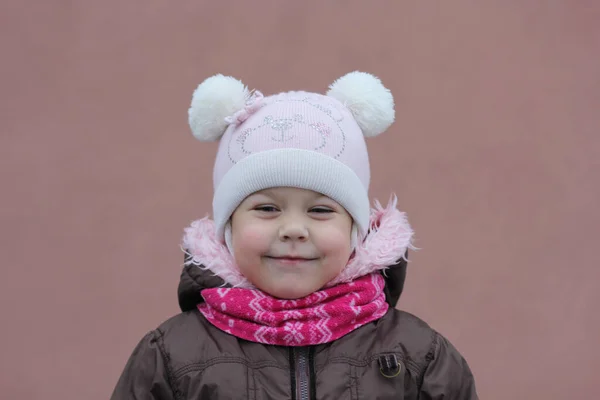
[(208, 263)]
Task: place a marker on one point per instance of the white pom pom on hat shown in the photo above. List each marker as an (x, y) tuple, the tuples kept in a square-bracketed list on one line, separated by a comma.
[(214, 100), (371, 103)]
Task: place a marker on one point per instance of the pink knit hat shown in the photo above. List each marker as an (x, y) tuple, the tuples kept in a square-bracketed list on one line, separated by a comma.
[(295, 139)]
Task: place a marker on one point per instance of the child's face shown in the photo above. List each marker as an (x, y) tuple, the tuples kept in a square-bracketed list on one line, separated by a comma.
[(290, 242)]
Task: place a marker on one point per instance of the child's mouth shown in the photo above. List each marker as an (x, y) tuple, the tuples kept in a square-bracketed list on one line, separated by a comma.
[(290, 260)]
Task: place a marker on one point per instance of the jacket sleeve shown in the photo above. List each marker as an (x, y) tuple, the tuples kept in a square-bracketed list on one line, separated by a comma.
[(447, 376), (146, 375)]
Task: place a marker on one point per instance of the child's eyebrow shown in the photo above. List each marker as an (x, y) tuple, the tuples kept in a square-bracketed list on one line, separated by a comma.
[(261, 196), (264, 193), (325, 198)]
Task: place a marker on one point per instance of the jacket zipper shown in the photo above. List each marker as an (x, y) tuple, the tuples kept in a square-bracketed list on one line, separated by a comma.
[(302, 373)]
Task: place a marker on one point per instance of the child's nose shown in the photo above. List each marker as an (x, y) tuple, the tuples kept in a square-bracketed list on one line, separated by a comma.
[(293, 230)]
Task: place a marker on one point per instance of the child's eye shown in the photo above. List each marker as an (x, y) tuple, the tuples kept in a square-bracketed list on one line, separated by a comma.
[(268, 209), (321, 210)]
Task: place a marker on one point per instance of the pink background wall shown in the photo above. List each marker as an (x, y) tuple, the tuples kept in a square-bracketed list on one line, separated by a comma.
[(495, 157)]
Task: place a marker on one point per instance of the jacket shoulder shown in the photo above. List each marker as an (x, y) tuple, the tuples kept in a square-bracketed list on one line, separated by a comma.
[(396, 332), (187, 322), (412, 338), (439, 369), (409, 331), (162, 356), (188, 338)]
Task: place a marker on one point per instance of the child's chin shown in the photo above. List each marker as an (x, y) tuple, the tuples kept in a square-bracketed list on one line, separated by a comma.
[(292, 292)]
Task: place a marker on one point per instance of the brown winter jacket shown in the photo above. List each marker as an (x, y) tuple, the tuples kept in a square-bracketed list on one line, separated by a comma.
[(397, 357)]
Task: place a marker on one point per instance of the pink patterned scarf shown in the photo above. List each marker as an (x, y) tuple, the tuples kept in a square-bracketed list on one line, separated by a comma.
[(321, 317)]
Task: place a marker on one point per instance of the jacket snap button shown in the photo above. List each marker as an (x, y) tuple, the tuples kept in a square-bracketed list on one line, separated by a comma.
[(389, 366)]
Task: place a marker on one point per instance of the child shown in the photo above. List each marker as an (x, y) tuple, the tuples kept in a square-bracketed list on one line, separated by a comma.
[(290, 292)]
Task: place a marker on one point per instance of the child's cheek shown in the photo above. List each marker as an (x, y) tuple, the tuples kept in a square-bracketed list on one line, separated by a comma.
[(254, 237), (335, 238)]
